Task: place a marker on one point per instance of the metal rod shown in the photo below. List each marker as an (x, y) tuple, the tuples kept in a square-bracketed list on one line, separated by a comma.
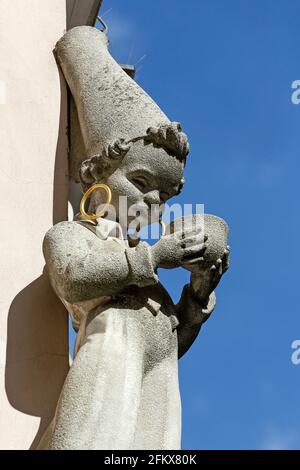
[(105, 27)]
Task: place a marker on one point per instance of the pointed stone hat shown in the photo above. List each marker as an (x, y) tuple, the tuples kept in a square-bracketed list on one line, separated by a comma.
[(109, 108)]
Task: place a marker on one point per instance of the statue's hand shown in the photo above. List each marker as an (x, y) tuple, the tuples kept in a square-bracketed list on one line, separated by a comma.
[(204, 282), (178, 248)]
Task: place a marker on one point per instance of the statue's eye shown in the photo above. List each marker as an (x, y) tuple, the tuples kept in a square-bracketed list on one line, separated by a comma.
[(140, 182)]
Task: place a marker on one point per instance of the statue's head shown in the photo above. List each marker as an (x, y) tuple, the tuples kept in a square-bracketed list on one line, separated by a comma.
[(120, 136), (146, 170)]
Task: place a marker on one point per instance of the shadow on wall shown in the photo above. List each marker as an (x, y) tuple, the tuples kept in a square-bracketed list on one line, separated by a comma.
[(61, 167), (37, 357), (37, 352)]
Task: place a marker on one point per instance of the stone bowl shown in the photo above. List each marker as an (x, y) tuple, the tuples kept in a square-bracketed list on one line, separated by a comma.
[(214, 227)]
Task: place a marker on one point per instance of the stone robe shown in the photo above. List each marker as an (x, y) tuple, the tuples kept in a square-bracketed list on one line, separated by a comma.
[(122, 390)]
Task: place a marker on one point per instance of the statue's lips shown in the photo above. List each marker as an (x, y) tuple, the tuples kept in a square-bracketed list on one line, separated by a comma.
[(214, 227)]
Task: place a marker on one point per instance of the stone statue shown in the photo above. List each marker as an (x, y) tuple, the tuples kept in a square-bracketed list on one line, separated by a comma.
[(122, 389)]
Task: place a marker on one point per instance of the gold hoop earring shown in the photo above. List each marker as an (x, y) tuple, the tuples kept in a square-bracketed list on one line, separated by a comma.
[(87, 195), (163, 228)]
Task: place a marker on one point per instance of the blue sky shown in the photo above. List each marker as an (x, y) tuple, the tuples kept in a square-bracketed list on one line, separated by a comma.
[(224, 70)]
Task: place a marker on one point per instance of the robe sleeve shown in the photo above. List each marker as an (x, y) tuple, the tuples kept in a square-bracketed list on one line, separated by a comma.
[(82, 266), (191, 316)]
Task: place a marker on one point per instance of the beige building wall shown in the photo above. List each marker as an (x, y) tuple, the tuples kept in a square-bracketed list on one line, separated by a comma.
[(34, 189)]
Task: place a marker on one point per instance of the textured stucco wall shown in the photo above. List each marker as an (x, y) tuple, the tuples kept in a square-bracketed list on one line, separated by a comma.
[(34, 188)]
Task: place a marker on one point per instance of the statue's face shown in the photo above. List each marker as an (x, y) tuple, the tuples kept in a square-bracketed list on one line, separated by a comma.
[(146, 176)]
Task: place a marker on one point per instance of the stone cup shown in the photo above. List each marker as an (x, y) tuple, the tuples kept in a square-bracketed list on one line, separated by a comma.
[(214, 227)]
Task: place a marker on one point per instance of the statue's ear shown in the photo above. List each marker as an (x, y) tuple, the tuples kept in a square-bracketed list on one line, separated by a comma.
[(91, 170)]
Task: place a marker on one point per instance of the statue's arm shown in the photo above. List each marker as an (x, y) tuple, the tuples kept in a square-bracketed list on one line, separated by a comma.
[(83, 267), (198, 300), (191, 314)]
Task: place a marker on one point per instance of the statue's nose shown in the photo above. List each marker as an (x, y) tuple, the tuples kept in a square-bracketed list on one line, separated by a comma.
[(152, 197)]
